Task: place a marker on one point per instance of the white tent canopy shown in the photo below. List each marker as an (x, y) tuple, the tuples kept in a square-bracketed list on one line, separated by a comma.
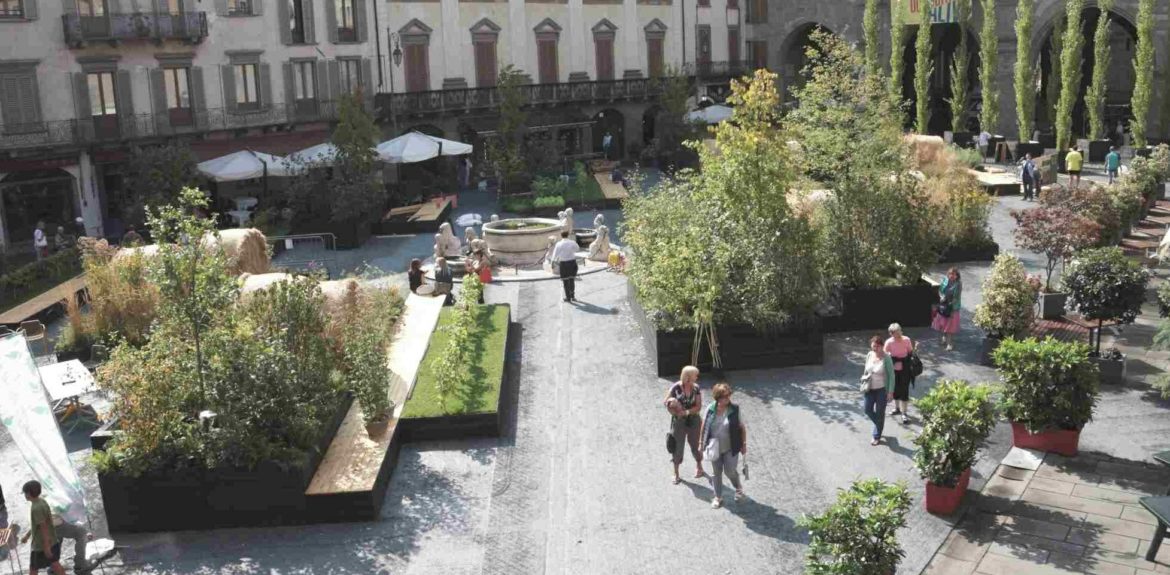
[(242, 165), (321, 154), (417, 147), (710, 114)]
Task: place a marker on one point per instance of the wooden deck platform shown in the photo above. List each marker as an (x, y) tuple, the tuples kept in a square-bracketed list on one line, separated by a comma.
[(612, 191), (351, 481), (997, 183), (416, 218), (49, 298)]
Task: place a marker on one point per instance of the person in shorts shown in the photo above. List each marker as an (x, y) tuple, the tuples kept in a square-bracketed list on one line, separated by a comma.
[(1073, 162), (46, 547), (683, 401)]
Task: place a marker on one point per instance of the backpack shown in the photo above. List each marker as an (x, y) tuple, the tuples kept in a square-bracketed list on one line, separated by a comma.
[(915, 364)]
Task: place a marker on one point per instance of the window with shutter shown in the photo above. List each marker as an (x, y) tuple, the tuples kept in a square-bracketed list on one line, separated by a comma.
[(733, 44), (13, 9), (247, 86), (415, 62), (546, 57), (485, 64), (654, 62), (20, 108), (603, 49), (346, 27)]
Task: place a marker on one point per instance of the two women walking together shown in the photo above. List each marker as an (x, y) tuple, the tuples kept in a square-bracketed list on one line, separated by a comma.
[(716, 433)]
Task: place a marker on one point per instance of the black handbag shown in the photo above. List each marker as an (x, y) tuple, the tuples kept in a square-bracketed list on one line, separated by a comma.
[(915, 365), (671, 443)]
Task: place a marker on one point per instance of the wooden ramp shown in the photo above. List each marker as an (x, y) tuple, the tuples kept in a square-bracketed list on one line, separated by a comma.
[(613, 191), (350, 483), (53, 296), (998, 183)]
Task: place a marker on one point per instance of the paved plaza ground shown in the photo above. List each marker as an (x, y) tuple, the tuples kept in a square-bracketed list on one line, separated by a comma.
[(580, 484)]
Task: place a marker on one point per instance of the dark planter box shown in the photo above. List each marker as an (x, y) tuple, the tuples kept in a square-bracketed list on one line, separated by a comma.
[(963, 139), (1052, 305), (196, 498), (1094, 150), (1062, 441), (955, 254), (1034, 148), (1143, 152), (741, 346), (1112, 370), (989, 345), (1048, 140), (941, 500), (82, 354), (877, 308)]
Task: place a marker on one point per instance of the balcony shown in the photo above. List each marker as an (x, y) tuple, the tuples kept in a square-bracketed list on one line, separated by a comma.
[(117, 129), (113, 28)]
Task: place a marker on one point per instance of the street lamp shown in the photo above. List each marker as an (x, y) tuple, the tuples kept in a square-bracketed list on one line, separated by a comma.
[(396, 57)]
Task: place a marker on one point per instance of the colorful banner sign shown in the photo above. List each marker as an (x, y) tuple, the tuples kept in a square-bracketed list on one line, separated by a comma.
[(29, 418), (937, 11)]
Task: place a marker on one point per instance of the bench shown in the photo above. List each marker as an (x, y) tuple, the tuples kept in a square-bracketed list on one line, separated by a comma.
[(1159, 507)]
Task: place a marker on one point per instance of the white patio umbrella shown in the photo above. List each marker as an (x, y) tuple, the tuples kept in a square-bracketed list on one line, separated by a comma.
[(417, 147), (321, 154), (710, 114), (243, 165)]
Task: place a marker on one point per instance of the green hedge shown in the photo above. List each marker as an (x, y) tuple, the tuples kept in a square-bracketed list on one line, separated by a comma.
[(30, 280), (487, 366)]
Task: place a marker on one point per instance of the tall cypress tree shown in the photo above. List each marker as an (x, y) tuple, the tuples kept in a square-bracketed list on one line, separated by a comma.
[(988, 53), (1025, 70), (870, 27), (959, 69), (1095, 95), (1070, 72), (922, 71), (1165, 90), (1143, 68), (897, 47), (1055, 49)]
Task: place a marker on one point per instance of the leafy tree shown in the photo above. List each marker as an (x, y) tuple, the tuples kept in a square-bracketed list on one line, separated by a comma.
[(1055, 231), (1143, 68), (1025, 70), (923, 68), (897, 45), (959, 68), (671, 130), (988, 56), (156, 176), (1070, 66), (1047, 384), (1095, 95), (1165, 90), (870, 26), (355, 189), (1055, 52), (858, 534), (1007, 307), (1104, 285), (506, 152)]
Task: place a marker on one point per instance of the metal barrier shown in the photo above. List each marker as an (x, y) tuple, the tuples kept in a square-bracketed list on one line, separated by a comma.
[(304, 252)]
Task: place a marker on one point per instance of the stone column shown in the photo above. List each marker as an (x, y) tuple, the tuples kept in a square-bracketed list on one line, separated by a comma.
[(631, 34), (518, 34), (453, 41), (86, 187), (578, 68)]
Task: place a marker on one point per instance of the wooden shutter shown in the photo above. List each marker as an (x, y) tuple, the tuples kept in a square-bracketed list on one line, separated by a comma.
[(485, 64), (30, 10), (310, 21), (417, 79), (603, 53), (265, 88), (198, 96), (124, 100), (331, 19), (10, 103), (283, 21), (761, 11), (654, 57), (81, 106), (546, 57), (228, 81), (335, 80), (158, 98), (733, 44), (289, 89), (367, 82), (359, 20), (325, 91)]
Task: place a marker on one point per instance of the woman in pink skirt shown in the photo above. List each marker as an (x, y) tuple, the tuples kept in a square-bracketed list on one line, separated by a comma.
[(950, 294)]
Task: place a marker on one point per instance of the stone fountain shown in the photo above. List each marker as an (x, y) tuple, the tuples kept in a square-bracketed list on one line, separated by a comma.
[(520, 241)]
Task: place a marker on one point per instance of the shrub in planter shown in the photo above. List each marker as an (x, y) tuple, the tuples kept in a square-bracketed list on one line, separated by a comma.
[(1104, 285), (1006, 310), (548, 202), (1049, 390), (857, 535), (956, 420), (1057, 232)]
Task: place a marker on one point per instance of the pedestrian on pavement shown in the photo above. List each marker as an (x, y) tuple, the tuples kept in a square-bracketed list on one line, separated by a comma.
[(1112, 163), (606, 143), (565, 258), (1073, 162), (45, 551), (724, 438), (683, 400), (444, 282), (415, 275), (80, 536), (946, 321), (899, 348), (985, 143), (1028, 177), (40, 241), (877, 384), (482, 267)]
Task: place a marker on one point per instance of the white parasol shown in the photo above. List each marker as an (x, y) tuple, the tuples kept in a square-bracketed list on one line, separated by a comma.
[(710, 114), (243, 165), (418, 147)]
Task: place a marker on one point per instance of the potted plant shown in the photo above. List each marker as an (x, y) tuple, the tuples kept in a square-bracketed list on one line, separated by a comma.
[(857, 535), (1104, 285), (1006, 310), (1049, 390), (956, 419), (1057, 232)]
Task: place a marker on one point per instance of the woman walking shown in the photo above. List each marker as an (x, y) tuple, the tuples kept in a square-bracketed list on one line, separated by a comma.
[(946, 321), (899, 348), (684, 400), (414, 275), (877, 383), (724, 438)]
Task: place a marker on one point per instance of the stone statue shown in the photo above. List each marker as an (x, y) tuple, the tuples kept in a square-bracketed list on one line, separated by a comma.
[(567, 221), (599, 249), (548, 254), (446, 244), (495, 218), (476, 245), (598, 221), (469, 235)]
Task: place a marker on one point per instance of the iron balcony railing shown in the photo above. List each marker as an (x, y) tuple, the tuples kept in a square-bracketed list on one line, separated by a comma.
[(113, 129), (190, 26)]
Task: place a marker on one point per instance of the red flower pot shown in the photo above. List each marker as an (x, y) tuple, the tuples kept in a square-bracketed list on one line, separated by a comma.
[(1062, 441), (945, 500)]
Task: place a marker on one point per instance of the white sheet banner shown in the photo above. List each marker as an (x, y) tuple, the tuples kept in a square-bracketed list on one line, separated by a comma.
[(26, 413)]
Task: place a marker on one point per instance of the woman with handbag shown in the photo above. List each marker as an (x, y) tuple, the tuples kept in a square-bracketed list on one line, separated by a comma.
[(724, 439), (683, 401), (877, 385), (900, 348), (946, 321)]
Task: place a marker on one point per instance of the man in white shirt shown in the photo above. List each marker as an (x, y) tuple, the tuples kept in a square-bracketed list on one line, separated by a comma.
[(984, 143), (41, 241), (565, 257)]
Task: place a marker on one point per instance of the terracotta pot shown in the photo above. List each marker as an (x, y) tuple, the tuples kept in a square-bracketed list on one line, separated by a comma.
[(1062, 441), (945, 500)]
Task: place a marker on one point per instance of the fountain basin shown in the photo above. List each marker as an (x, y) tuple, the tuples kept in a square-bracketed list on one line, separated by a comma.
[(520, 241)]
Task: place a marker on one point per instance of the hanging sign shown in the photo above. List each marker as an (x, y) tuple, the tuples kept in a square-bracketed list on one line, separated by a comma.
[(936, 11)]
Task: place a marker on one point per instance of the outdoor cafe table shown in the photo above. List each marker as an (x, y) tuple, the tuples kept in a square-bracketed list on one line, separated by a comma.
[(65, 383)]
